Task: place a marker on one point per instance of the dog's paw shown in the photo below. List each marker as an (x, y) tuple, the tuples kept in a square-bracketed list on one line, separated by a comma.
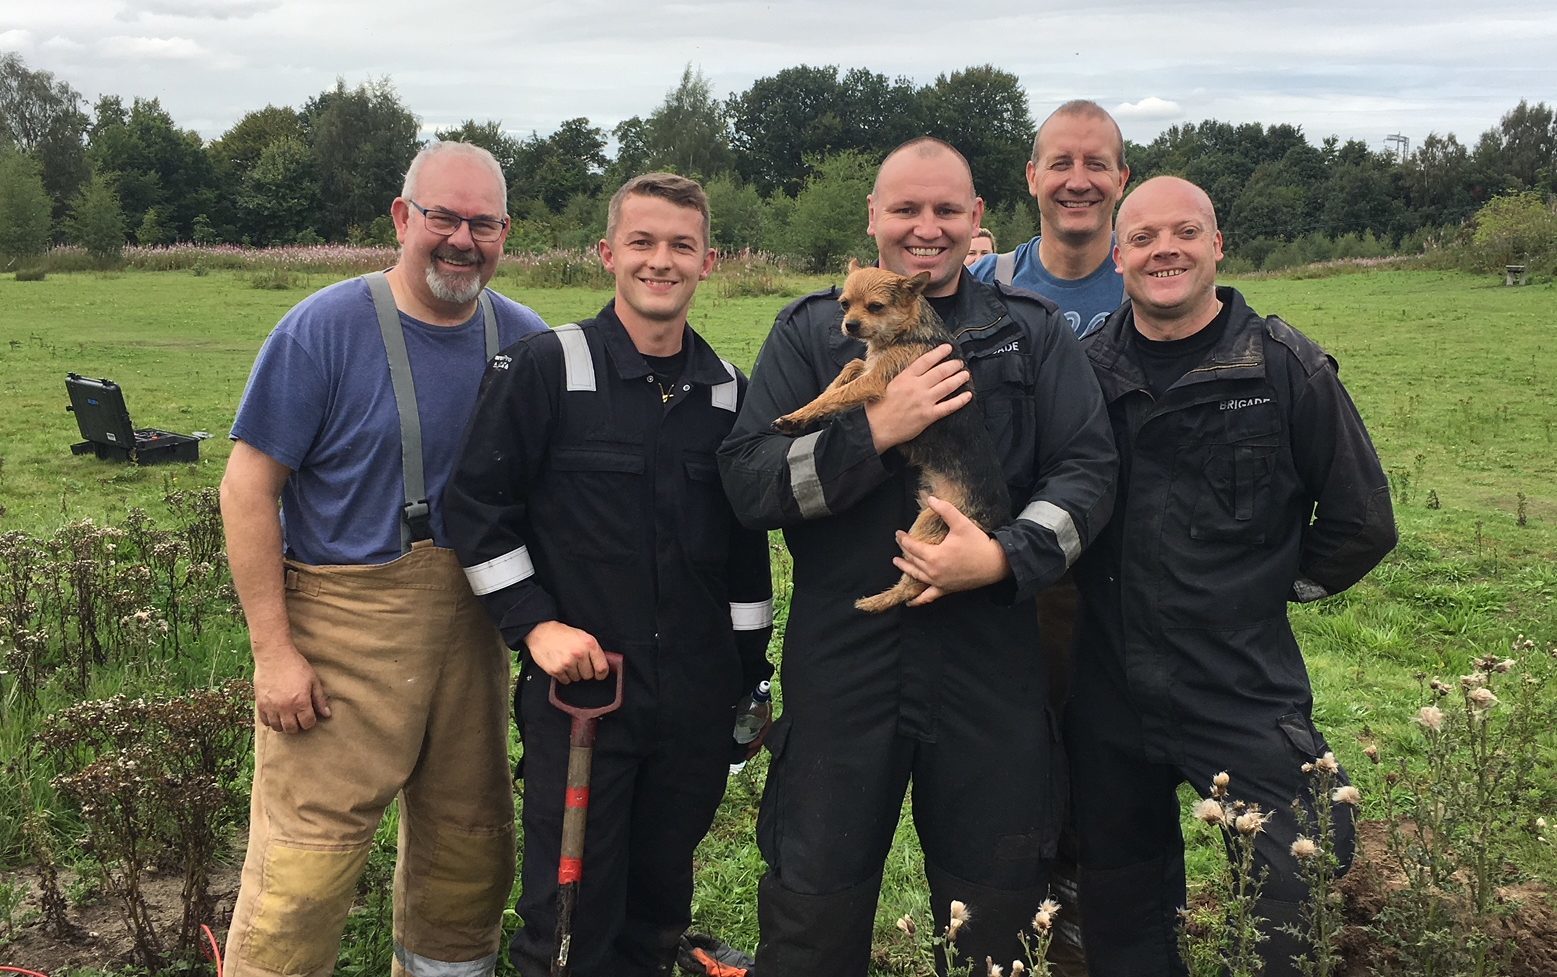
[(788, 424), (881, 602)]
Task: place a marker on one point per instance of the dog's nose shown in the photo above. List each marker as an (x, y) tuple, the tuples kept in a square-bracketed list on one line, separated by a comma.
[(851, 327)]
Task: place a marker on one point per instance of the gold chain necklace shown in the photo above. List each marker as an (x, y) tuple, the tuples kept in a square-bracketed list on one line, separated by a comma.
[(666, 391)]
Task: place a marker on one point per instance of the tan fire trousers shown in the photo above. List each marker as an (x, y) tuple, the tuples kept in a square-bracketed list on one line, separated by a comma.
[(418, 684)]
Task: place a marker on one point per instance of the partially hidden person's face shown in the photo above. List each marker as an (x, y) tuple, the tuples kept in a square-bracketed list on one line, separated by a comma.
[(1076, 178), (978, 249), (450, 269), (923, 214), (1167, 250), (658, 256)]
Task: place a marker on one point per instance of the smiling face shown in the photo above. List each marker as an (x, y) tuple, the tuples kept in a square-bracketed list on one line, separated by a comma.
[(923, 213), (978, 248), (657, 253), (1167, 251), (1076, 176), (445, 272)]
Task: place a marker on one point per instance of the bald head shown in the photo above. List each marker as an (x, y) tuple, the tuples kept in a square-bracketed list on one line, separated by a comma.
[(925, 148), (1166, 192), (1082, 108)]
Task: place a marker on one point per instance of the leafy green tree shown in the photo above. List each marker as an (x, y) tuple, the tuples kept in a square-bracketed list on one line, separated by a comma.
[(736, 210), (1275, 203), (362, 139), (96, 221), (43, 118), (1011, 224), (1440, 181), (689, 133), (490, 136), (828, 224), (278, 198), (782, 119), (1515, 228), (1521, 152), (25, 207), (154, 229), (983, 112), (563, 165), (153, 162), (632, 153)]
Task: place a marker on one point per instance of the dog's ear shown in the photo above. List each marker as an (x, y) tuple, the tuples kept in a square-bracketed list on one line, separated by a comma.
[(917, 284), (854, 266)]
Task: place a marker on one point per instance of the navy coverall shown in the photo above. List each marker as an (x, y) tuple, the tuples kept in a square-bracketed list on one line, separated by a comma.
[(581, 497), (952, 694), (1249, 483)]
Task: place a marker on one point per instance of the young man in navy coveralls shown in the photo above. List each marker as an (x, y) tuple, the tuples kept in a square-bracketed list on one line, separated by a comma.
[(588, 515)]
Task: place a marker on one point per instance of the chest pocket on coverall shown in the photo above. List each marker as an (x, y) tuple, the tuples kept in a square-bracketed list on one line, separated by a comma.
[(1003, 380), (602, 486), (1236, 501)]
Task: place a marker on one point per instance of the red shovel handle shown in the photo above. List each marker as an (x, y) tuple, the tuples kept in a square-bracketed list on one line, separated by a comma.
[(613, 668), (581, 746)]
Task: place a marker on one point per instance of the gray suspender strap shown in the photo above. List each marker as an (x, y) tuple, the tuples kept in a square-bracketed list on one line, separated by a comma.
[(1005, 267), (415, 516), (489, 321)]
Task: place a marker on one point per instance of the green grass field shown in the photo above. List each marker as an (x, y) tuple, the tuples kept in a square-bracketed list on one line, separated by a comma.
[(1453, 373)]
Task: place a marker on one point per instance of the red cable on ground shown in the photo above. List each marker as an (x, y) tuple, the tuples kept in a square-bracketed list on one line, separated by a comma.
[(19, 970), (216, 951)]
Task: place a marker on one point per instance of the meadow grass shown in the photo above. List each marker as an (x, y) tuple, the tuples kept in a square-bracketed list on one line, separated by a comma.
[(1453, 373)]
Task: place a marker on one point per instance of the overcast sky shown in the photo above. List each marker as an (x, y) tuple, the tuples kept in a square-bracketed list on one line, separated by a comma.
[(1358, 69)]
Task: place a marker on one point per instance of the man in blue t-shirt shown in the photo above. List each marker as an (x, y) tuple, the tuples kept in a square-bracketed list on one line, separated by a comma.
[(376, 672), (1077, 174)]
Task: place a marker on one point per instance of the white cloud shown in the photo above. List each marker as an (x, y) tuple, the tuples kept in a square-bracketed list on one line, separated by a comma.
[(1149, 109), (13, 39), (62, 44), (153, 48), (198, 9)]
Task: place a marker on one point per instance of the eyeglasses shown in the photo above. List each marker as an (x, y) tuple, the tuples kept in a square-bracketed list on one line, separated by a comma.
[(484, 229)]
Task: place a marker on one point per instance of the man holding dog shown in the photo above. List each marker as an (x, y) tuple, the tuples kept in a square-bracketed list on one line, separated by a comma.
[(1249, 481), (1077, 174), (946, 691), (588, 514), (376, 672)]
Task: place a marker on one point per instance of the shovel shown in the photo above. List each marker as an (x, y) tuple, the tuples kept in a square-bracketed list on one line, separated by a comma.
[(581, 751)]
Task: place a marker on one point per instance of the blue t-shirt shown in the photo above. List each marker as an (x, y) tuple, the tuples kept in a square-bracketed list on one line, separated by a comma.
[(319, 400), (1085, 302)]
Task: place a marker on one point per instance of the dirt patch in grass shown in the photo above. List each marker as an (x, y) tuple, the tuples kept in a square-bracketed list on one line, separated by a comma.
[(1528, 931), (100, 938)]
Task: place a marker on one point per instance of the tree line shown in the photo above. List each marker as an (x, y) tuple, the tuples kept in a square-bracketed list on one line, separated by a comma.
[(787, 164)]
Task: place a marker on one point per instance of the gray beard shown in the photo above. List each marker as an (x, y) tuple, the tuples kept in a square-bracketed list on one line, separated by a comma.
[(456, 291)]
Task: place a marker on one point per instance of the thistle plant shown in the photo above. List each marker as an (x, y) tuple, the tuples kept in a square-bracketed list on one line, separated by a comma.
[(1229, 937), (1456, 818), (1035, 944), (1322, 912)]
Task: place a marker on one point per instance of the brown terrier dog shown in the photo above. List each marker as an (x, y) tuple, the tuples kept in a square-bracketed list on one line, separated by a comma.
[(955, 455)]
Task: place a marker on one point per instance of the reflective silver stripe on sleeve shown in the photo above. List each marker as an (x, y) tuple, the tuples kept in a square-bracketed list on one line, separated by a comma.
[(803, 480), (417, 965), (1057, 521), (724, 394), (500, 572), (1306, 590), (577, 362), (751, 617)]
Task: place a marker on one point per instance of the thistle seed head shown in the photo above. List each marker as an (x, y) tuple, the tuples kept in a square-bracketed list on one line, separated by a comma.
[(1304, 849), (1346, 794), (1430, 718), (1210, 811)]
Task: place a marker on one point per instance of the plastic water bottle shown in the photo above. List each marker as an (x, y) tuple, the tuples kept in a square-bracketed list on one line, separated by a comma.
[(751, 716)]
